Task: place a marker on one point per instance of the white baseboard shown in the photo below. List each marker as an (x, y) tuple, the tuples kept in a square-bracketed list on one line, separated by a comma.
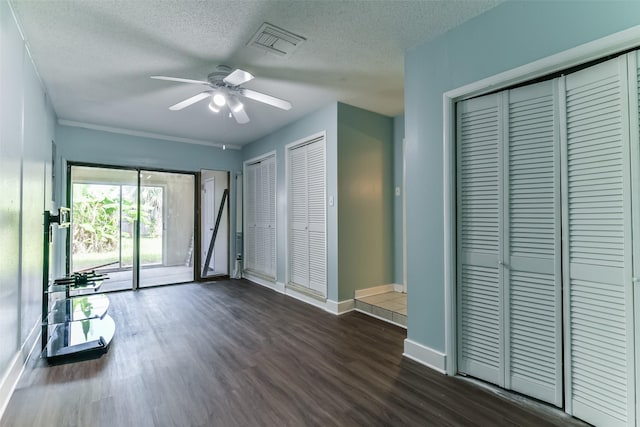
[(306, 298), (16, 367), (271, 284), (333, 307), (398, 287), (340, 307), (367, 292), (425, 356)]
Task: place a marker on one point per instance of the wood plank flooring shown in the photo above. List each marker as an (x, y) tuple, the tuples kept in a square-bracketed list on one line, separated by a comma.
[(235, 354)]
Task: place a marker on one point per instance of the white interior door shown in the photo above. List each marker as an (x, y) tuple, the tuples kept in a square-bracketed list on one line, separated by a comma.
[(250, 218), (307, 216), (634, 122), (532, 241), (480, 228), (599, 349), (298, 218), (260, 217), (509, 263), (316, 217), (270, 202)]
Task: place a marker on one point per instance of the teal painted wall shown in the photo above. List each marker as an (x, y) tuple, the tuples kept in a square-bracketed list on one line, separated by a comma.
[(325, 119), (398, 136), (513, 34), (365, 191), (82, 145), (26, 131)]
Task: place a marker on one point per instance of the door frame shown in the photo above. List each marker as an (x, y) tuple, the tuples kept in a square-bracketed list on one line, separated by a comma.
[(404, 215), (585, 53), (69, 164), (197, 242)]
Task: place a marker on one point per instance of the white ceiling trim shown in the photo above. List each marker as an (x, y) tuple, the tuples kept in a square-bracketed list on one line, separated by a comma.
[(146, 134)]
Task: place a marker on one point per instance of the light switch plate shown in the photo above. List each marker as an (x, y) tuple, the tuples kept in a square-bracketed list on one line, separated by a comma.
[(397, 191), (330, 200)]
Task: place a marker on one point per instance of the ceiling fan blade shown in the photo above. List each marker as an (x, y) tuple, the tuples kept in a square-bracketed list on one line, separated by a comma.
[(264, 98), (177, 79), (189, 101), (238, 77), (240, 116)]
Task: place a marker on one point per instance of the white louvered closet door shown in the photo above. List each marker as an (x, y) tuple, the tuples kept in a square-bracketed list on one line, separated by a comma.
[(634, 122), (250, 219), (298, 220), (533, 275), (480, 297), (262, 204), (599, 344), (271, 220), (509, 265), (260, 223), (307, 234), (316, 217)]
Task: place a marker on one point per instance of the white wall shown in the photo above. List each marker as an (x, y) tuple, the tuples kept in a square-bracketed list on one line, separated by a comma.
[(26, 131)]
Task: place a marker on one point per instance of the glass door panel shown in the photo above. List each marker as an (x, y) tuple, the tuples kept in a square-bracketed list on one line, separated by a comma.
[(166, 228), (103, 211)]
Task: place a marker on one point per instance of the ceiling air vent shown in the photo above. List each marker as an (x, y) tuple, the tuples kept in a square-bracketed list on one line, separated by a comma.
[(276, 40)]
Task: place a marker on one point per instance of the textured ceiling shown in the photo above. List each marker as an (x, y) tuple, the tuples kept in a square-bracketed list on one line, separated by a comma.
[(95, 57)]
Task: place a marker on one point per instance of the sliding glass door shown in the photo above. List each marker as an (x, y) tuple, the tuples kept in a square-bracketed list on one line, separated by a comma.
[(135, 225), (104, 205), (166, 228)]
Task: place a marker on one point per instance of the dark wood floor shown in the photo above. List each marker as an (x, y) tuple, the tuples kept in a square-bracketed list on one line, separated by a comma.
[(236, 354)]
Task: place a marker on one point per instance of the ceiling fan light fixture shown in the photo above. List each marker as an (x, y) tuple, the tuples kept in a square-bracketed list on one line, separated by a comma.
[(213, 107), (235, 105), (219, 99)]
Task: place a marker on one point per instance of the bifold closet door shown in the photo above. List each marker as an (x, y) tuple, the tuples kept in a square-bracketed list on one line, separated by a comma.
[(250, 218), (270, 220), (599, 345), (266, 218), (634, 122), (480, 228), (317, 217), (532, 242), (307, 217), (298, 224), (509, 265), (260, 218)]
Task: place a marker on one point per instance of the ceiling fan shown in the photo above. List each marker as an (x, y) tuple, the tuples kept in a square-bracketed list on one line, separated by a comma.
[(224, 88)]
